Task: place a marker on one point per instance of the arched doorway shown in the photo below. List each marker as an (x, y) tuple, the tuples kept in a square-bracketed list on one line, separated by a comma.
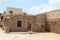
[(29, 27)]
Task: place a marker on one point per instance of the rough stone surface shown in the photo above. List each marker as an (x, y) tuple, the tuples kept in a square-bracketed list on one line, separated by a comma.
[(45, 22)]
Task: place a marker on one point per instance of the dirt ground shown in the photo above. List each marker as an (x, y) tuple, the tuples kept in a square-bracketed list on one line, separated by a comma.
[(27, 36)]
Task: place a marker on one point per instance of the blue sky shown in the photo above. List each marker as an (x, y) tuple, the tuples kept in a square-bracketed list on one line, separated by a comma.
[(31, 6)]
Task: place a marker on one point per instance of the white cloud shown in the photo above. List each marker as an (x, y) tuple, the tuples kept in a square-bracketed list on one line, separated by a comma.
[(40, 8), (57, 1), (44, 7), (51, 3)]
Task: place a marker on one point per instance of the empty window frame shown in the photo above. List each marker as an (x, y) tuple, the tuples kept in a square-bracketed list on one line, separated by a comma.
[(18, 23), (10, 11)]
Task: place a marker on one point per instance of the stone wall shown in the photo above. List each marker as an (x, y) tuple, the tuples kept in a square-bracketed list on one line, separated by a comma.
[(15, 11), (53, 18), (13, 23), (25, 19), (45, 22), (39, 23)]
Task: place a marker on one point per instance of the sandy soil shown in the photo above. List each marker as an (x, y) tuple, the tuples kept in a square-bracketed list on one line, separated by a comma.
[(27, 36)]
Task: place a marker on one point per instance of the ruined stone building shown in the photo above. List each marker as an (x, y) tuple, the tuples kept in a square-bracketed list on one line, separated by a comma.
[(15, 20)]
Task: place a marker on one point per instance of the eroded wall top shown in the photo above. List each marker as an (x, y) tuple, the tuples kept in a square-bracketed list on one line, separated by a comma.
[(53, 14), (10, 10)]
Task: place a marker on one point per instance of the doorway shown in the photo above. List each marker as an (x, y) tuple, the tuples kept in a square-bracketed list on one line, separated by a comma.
[(29, 27), (19, 23), (47, 29)]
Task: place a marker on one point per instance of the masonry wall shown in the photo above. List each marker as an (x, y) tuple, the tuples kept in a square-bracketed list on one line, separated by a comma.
[(45, 22), (39, 23), (53, 18), (25, 19), (2, 21), (14, 10), (13, 23)]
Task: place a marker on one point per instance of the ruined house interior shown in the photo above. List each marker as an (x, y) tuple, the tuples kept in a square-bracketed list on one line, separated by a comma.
[(15, 20)]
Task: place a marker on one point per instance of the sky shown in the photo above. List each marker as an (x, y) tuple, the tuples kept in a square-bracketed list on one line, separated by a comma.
[(31, 6)]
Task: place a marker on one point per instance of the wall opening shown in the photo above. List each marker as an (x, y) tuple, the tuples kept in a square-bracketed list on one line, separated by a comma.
[(1, 26), (42, 26), (1, 17), (29, 27), (18, 23), (10, 11), (47, 29)]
